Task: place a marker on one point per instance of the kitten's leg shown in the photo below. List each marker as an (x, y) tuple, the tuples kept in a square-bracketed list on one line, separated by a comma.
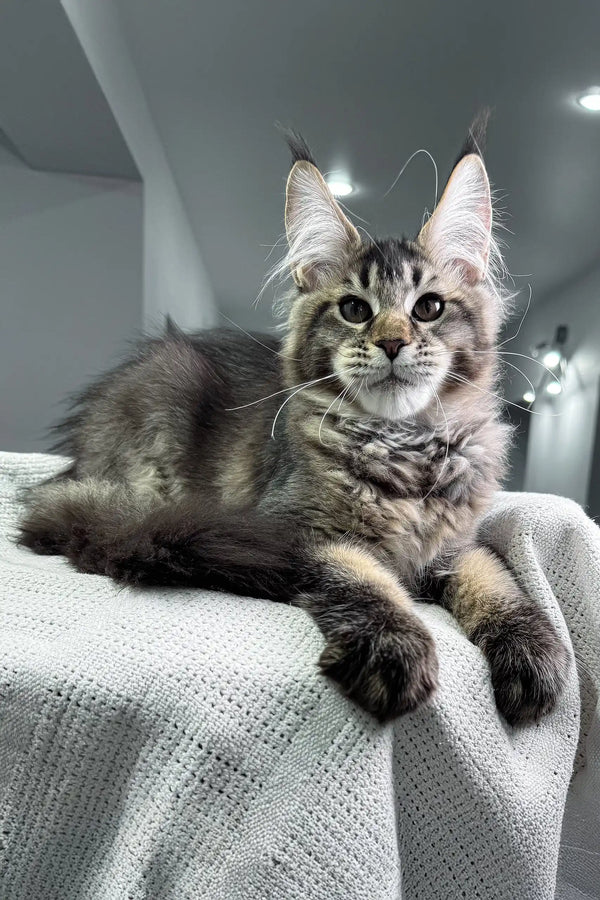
[(527, 658), (378, 650)]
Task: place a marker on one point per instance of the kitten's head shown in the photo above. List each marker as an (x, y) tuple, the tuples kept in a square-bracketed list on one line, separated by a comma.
[(396, 324)]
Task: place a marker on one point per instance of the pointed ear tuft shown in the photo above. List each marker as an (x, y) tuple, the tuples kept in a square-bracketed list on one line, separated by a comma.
[(459, 233), (475, 140), (321, 239), (298, 147)]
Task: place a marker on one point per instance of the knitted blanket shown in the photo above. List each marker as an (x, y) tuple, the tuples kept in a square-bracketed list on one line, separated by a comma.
[(174, 744)]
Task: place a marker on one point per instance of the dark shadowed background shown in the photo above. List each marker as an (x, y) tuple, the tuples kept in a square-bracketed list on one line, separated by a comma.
[(141, 173)]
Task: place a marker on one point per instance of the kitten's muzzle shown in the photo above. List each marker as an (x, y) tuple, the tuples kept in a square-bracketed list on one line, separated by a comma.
[(391, 348)]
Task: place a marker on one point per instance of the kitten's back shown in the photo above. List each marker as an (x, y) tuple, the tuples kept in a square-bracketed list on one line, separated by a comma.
[(167, 419)]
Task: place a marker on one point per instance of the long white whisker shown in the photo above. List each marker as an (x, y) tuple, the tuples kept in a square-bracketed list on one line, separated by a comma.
[(373, 241), (344, 395), (447, 454), (283, 391), (268, 397), (351, 212), (371, 238), (401, 172), (339, 397), (256, 341), (359, 388), (522, 319), (530, 358), (301, 388), (513, 353), (521, 372), (532, 412)]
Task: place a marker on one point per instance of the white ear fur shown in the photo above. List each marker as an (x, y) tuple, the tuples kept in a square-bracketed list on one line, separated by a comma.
[(320, 237), (459, 233)]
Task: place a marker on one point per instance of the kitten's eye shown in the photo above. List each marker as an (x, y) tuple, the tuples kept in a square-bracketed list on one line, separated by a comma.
[(428, 308), (355, 310)]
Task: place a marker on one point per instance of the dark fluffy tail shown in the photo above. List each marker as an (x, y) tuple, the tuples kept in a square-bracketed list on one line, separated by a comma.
[(107, 529)]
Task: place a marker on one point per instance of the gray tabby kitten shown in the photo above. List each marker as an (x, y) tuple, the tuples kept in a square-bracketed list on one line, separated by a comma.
[(344, 469)]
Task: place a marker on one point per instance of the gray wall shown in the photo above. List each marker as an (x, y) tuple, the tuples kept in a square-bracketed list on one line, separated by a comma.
[(71, 290), (175, 280), (562, 430), (594, 487)]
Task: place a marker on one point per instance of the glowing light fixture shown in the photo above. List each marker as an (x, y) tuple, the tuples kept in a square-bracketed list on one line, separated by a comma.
[(340, 188), (552, 358), (590, 99)]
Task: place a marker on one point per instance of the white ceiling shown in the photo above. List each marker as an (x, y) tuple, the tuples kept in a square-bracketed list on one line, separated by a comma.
[(367, 84), (53, 115)]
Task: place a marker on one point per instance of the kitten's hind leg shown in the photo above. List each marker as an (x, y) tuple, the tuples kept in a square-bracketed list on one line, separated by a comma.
[(527, 658), (378, 650)]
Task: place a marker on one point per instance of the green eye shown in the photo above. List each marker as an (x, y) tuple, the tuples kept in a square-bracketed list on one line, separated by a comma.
[(428, 308), (355, 310)]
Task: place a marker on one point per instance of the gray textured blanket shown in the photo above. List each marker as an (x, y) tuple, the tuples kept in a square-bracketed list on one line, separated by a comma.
[(181, 744)]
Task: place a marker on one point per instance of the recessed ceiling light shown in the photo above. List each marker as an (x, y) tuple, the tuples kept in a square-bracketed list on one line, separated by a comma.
[(554, 388), (528, 396), (551, 359), (340, 188), (590, 99)]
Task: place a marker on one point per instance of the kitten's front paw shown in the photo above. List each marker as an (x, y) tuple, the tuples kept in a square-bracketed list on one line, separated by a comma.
[(388, 673), (528, 661)]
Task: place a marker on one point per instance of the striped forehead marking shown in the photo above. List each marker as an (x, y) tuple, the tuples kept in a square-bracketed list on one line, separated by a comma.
[(387, 261)]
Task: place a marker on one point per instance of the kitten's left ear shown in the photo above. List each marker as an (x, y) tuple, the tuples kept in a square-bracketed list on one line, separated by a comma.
[(458, 235)]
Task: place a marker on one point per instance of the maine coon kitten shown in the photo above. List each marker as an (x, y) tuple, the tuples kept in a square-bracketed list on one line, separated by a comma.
[(343, 469)]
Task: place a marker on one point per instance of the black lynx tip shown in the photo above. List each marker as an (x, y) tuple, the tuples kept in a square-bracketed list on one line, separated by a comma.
[(475, 140), (171, 328), (298, 147)]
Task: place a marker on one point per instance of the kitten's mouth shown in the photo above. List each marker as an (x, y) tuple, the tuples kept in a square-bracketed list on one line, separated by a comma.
[(392, 379)]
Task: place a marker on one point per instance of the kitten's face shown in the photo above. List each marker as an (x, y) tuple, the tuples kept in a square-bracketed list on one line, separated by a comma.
[(394, 330), (390, 326)]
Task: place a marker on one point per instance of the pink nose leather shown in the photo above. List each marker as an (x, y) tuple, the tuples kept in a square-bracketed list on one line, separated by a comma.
[(391, 348)]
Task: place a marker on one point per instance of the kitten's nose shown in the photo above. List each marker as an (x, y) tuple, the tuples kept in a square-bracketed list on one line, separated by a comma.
[(392, 347)]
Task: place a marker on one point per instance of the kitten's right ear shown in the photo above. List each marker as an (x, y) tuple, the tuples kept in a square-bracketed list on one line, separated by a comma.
[(459, 233), (321, 239)]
